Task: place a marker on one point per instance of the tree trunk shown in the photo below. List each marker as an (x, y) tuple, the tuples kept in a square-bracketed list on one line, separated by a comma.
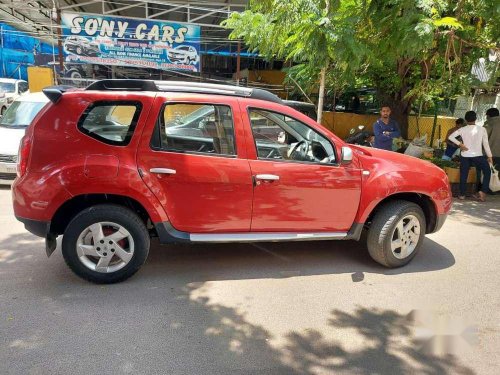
[(321, 98), (399, 112)]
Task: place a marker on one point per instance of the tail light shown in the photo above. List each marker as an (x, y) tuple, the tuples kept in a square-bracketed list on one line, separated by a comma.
[(23, 155)]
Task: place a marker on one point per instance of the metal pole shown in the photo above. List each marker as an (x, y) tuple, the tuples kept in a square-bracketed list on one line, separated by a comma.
[(238, 60), (59, 42), (52, 13), (3, 61)]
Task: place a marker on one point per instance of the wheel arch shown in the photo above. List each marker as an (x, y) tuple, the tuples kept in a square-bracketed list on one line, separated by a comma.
[(69, 209), (423, 201)]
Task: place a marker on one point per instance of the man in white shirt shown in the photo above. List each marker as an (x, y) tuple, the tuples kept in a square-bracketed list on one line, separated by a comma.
[(474, 139)]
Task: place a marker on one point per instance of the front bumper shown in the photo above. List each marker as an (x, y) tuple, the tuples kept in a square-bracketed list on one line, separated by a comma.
[(38, 228), (440, 219)]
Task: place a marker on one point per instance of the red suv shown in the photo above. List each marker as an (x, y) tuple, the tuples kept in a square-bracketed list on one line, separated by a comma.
[(122, 161)]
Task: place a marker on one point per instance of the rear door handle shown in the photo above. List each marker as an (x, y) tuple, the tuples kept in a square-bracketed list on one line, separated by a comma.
[(267, 177), (163, 171)]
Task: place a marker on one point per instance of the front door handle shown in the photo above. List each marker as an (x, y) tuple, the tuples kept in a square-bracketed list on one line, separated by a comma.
[(163, 170), (267, 177)]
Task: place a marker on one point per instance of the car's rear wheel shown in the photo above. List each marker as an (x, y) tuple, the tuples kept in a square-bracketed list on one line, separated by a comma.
[(105, 244), (78, 50), (396, 233)]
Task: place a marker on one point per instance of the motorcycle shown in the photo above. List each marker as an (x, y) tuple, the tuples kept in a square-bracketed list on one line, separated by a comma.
[(359, 136)]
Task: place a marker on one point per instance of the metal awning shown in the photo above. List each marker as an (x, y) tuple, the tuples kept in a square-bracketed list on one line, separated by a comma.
[(38, 17)]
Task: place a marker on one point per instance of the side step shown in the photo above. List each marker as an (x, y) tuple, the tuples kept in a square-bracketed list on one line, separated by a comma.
[(168, 234)]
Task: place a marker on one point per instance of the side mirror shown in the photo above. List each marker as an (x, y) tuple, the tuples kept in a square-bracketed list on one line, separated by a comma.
[(346, 155)]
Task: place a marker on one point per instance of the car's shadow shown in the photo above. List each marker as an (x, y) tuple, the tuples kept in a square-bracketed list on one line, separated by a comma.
[(205, 262), (280, 260)]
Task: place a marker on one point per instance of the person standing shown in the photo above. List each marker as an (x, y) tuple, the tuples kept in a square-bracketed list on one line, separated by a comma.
[(474, 138), (451, 148), (385, 129), (493, 130)]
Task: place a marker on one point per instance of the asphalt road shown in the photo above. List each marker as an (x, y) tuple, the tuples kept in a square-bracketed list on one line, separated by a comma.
[(295, 308)]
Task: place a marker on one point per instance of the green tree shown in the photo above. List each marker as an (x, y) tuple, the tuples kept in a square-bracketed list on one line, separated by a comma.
[(313, 33), (407, 49)]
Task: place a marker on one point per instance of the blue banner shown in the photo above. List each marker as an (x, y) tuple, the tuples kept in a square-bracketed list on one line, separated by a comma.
[(123, 41)]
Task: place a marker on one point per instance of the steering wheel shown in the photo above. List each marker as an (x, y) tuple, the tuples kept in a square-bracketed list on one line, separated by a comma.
[(295, 149)]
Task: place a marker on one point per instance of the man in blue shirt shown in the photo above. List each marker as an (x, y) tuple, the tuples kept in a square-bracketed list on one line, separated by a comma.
[(385, 129)]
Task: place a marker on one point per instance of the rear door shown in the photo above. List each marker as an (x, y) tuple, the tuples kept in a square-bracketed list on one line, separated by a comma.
[(194, 161), (299, 186)]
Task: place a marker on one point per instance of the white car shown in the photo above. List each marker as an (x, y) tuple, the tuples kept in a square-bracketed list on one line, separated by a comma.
[(183, 55), (10, 89), (13, 125)]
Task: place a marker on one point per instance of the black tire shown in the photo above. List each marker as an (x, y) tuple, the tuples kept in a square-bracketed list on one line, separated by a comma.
[(382, 230), (102, 213), (2, 111)]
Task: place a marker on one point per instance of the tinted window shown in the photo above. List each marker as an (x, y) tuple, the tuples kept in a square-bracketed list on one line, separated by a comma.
[(202, 128), (111, 122), (279, 137), (20, 114)]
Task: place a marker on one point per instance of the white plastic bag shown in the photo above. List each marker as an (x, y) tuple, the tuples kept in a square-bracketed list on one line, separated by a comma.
[(417, 151), (420, 141), (494, 179)]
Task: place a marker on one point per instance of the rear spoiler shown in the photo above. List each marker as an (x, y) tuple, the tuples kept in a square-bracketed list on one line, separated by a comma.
[(54, 93)]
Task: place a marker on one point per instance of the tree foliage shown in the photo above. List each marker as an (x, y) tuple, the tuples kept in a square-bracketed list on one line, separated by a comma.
[(407, 49)]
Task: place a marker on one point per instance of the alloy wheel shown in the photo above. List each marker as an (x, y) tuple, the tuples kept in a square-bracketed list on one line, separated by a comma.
[(105, 247), (405, 237)]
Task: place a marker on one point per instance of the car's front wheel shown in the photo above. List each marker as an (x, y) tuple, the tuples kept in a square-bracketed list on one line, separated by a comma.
[(396, 233), (105, 244)]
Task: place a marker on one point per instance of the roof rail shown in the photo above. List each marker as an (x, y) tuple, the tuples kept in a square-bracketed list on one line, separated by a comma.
[(183, 86)]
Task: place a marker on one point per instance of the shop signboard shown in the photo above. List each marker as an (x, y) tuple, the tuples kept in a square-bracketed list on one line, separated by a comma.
[(134, 42)]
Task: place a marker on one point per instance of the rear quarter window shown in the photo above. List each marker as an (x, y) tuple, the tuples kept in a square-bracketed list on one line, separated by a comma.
[(111, 122)]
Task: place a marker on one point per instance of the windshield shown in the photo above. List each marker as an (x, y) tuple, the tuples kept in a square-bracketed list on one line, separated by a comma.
[(7, 87), (20, 114)]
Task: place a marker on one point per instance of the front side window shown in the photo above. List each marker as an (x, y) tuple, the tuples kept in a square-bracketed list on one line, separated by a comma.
[(279, 137), (23, 87), (111, 122), (196, 128)]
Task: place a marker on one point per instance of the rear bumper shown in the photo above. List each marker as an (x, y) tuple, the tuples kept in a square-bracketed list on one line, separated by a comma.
[(38, 228), (7, 173)]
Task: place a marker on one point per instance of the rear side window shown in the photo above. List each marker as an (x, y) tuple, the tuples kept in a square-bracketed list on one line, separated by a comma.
[(111, 122), (196, 128)]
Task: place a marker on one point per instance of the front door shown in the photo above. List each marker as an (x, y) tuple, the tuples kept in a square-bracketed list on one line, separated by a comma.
[(190, 162), (299, 185)]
